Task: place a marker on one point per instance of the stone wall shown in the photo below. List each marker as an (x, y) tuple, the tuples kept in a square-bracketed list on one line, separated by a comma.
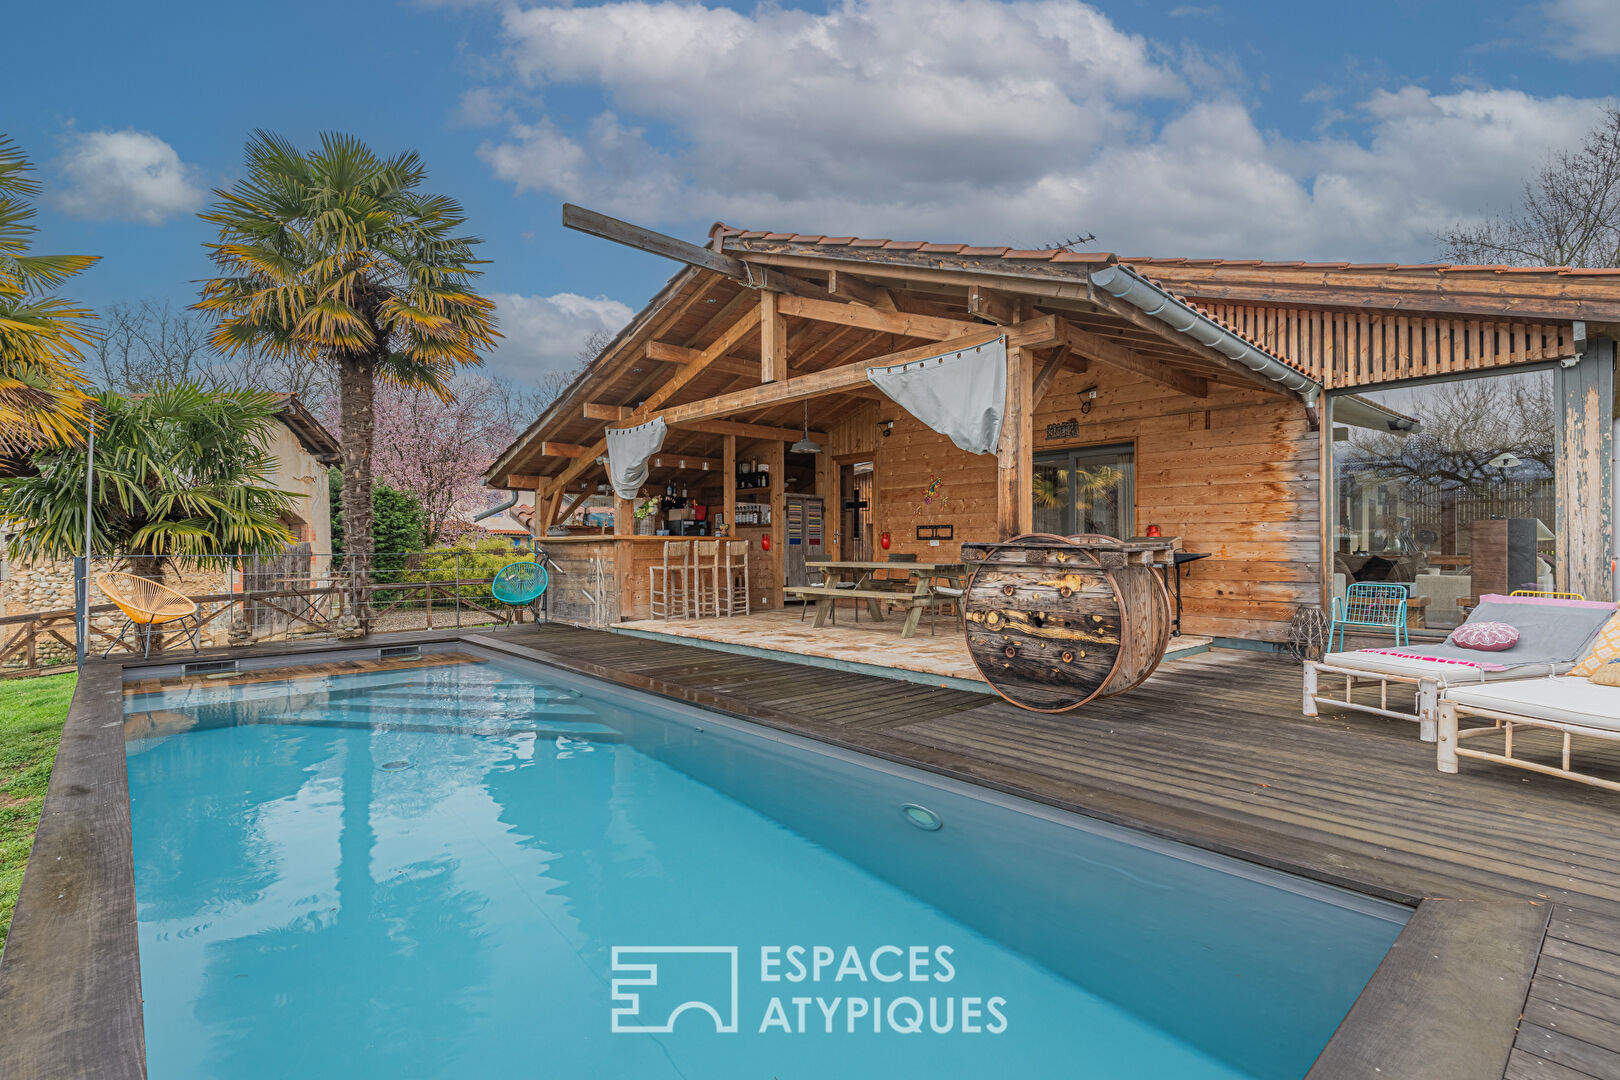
[(31, 588)]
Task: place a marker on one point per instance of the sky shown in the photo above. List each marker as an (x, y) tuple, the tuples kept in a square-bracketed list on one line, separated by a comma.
[(1281, 130)]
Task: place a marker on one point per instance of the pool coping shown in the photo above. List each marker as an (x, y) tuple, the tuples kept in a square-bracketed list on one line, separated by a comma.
[(1444, 1004)]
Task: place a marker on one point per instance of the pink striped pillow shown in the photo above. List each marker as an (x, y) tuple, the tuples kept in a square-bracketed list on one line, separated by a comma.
[(1485, 636)]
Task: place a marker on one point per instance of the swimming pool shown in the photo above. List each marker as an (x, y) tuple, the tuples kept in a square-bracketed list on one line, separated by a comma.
[(484, 867)]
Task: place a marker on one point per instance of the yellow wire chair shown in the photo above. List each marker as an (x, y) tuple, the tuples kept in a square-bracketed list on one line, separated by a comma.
[(148, 607), (1548, 595)]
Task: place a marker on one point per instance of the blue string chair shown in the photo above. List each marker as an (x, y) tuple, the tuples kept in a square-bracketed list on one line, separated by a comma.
[(1373, 605), (520, 584)]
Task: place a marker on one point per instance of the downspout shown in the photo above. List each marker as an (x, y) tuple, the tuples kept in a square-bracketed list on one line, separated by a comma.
[(1127, 285), (492, 511)]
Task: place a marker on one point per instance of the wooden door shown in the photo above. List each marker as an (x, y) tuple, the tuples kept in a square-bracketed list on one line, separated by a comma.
[(855, 492)]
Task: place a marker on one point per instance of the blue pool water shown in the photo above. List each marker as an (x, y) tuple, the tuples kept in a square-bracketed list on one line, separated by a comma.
[(430, 872)]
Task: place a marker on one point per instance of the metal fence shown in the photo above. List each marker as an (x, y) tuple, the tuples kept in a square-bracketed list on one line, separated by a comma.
[(299, 594)]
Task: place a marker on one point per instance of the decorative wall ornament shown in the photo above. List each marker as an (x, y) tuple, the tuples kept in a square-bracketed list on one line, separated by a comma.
[(933, 497)]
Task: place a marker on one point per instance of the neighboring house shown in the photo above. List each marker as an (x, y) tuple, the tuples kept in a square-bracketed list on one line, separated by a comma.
[(302, 450)]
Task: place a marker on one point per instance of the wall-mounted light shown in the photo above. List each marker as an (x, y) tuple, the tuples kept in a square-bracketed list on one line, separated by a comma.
[(1087, 396), (886, 427)]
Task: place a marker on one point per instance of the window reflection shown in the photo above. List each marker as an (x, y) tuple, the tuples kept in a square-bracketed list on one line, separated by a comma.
[(1085, 491), (1448, 488)]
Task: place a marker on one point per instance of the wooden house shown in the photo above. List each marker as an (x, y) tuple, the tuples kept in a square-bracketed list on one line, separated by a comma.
[(1298, 422)]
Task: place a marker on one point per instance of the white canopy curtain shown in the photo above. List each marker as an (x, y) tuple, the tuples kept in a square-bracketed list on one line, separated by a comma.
[(628, 452), (959, 394)]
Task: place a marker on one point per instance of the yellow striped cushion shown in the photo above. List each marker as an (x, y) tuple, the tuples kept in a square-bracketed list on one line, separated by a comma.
[(1607, 675), (1604, 649)]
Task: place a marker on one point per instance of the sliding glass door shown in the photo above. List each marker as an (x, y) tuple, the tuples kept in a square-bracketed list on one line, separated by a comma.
[(1091, 490)]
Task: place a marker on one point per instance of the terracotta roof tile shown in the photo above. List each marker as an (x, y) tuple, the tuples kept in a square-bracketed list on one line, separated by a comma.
[(1062, 255)]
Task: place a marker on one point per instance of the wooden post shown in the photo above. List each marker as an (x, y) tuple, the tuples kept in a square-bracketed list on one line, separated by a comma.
[(1015, 497), (773, 359), (624, 516), (728, 481), (776, 457), (1585, 527), (1327, 507)]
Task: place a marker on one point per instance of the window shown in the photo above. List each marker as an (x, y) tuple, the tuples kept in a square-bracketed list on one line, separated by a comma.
[(1091, 490), (1447, 487)]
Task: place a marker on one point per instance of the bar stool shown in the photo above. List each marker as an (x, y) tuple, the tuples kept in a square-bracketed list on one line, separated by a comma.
[(735, 594), (669, 584), (706, 578)]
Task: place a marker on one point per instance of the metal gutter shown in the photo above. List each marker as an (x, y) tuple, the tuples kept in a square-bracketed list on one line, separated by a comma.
[(1127, 285), (492, 511)]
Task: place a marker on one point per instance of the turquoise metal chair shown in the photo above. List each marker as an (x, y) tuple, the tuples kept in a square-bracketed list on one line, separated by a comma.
[(1370, 604), (520, 583)]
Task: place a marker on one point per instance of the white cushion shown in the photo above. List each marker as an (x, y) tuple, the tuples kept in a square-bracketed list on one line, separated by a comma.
[(1444, 674), (1563, 699)]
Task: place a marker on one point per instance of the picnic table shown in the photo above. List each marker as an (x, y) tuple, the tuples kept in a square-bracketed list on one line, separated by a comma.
[(854, 580)]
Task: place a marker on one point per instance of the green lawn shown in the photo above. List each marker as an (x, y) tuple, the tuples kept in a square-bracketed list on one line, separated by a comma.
[(31, 716)]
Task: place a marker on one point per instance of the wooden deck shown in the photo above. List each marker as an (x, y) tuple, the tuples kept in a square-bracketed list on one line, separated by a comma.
[(1213, 751)]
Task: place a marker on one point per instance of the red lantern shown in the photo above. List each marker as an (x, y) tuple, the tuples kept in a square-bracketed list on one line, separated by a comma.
[(1153, 530), (884, 540), (765, 542)]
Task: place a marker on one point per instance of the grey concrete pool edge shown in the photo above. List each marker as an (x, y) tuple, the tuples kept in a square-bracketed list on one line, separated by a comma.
[(70, 985), (72, 1001)]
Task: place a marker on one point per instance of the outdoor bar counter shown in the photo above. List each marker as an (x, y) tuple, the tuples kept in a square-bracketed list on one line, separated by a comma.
[(602, 580)]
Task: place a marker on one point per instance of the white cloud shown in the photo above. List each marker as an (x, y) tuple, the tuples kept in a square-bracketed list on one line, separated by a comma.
[(1583, 28), (969, 120), (128, 175), (545, 333)]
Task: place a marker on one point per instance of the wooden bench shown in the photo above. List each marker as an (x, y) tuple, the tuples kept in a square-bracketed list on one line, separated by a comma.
[(825, 596)]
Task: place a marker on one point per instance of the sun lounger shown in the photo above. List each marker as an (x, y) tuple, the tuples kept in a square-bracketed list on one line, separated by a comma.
[(1569, 705), (1554, 635)]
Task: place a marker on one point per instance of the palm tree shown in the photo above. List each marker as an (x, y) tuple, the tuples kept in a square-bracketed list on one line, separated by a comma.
[(42, 393), (335, 255), (180, 473)]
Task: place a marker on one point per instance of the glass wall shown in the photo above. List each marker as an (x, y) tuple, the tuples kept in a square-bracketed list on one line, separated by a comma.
[(1447, 487), (1089, 490)]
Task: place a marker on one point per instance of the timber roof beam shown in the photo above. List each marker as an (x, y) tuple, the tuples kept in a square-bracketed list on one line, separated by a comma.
[(1104, 351)]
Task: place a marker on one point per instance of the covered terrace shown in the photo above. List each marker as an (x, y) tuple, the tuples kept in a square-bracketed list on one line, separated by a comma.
[(1123, 408)]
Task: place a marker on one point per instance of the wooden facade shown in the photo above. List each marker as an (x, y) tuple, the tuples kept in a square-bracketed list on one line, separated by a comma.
[(1362, 348), (1230, 461)]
